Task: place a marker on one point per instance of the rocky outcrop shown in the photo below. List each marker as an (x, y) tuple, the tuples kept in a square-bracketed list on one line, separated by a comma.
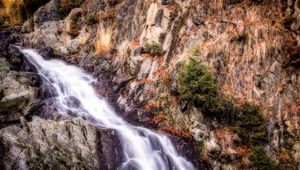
[(47, 144), (18, 88)]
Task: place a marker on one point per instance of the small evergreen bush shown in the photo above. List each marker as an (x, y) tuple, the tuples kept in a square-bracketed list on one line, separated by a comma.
[(261, 160), (153, 49), (197, 84), (250, 126)]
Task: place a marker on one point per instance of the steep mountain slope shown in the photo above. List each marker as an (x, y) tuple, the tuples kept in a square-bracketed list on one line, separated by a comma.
[(137, 48)]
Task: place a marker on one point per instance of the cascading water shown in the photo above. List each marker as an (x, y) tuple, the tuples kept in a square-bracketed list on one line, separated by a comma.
[(142, 148)]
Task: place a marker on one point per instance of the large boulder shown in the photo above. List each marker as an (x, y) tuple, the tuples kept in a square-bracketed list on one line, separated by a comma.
[(17, 92), (67, 144), (47, 144)]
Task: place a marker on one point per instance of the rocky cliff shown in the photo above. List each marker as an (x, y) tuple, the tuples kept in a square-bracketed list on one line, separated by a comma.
[(136, 49)]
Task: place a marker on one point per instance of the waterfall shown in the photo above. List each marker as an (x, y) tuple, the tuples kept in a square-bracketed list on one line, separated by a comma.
[(142, 148)]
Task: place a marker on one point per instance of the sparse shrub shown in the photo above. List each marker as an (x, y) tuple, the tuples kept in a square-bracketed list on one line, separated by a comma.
[(261, 160), (103, 39), (153, 49)]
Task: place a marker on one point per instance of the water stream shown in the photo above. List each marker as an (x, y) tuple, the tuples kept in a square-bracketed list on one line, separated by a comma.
[(143, 149)]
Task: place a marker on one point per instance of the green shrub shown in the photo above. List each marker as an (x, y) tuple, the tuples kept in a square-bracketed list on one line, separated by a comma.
[(250, 126), (261, 160), (201, 145), (153, 49), (197, 84), (196, 51)]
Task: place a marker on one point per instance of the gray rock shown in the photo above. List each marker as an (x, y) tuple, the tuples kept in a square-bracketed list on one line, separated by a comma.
[(145, 69), (15, 92), (46, 144)]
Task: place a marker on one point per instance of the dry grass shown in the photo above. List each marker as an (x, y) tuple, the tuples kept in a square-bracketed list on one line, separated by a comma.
[(108, 14), (102, 43), (13, 11)]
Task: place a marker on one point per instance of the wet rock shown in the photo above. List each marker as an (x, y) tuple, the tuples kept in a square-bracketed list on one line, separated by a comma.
[(109, 149), (15, 89)]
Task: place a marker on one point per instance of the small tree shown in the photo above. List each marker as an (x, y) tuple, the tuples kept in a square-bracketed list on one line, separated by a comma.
[(250, 126), (261, 160), (197, 84)]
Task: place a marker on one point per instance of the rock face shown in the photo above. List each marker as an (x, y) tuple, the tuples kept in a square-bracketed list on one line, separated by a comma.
[(251, 46), (17, 92), (47, 144)]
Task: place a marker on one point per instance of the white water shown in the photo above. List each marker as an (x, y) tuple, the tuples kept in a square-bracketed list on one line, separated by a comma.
[(142, 148)]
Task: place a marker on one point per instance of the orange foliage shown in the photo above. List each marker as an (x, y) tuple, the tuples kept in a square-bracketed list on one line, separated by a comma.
[(162, 73), (221, 134), (146, 56), (149, 2), (151, 90), (160, 117), (172, 7), (283, 156), (242, 149), (228, 89), (152, 104), (144, 81), (177, 132), (136, 43), (294, 108), (185, 35)]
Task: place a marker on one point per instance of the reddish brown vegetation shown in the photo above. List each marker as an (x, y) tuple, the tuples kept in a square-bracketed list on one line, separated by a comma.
[(157, 119), (177, 132), (151, 105)]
